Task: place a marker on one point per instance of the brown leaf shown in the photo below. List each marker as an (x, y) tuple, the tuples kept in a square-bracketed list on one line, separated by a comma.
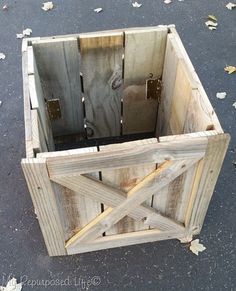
[(212, 17)]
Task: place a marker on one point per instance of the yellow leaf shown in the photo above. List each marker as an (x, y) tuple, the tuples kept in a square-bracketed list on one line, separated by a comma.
[(212, 17), (230, 69)]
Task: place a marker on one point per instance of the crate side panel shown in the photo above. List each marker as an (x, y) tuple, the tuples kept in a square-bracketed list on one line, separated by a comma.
[(207, 108), (101, 58), (59, 69), (144, 58)]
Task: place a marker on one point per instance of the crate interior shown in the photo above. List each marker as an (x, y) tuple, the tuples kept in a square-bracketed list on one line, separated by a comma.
[(97, 89)]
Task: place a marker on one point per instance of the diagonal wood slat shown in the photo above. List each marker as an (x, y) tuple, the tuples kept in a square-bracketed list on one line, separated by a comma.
[(148, 186), (113, 197)]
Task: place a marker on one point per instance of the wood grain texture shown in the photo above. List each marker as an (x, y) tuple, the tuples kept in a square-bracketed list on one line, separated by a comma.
[(137, 195), (37, 99), (112, 197), (120, 240), (180, 101), (199, 116), (76, 209), (102, 79), (205, 102), (27, 114), (168, 78), (127, 156), (210, 169), (59, 70), (38, 138), (45, 204), (144, 57), (125, 179)]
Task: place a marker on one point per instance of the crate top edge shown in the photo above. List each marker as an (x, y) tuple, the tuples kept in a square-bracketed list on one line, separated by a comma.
[(26, 41)]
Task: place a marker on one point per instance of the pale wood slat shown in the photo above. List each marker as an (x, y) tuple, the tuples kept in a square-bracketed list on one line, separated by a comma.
[(59, 69), (126, 157), (120, 240), (209, 171), (76, 209), (38, 138), (207, 110), (37, 99), (101, 58), (45, 204), (27, 113), (144, 57), (137, 195)]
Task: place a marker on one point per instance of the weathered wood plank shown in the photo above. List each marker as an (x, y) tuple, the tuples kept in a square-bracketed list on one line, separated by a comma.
[(180, 100), (59, 70), (137, 195), (206, 105), (38, 138), (209, 171), (102, 81), (120, 240), (45, 204), (168, 78), (37, 98), (27, 116), (127, 156), (77, 210), (144, 58), (125, 179), (199, 116)]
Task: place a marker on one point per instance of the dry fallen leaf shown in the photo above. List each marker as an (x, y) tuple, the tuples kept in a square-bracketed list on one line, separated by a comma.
[(167, 1), (26, 32), (230, 5), (136, 5), (211, 23), (230, 69), (2, 56), (221, 95), (19, 35), (98, 10), (47, 6), (196, 247), (212, 27), (212, 17), (234, 105), (12, 286)]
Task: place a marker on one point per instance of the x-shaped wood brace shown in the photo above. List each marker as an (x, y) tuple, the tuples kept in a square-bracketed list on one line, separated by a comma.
[(122, 204)]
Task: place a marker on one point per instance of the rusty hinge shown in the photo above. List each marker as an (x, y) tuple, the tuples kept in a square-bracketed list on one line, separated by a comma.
[(54, 109), (153, 88)]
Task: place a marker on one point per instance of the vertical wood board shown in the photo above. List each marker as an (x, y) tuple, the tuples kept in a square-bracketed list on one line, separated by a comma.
[(101, 58), (59, 70), (144, 58)]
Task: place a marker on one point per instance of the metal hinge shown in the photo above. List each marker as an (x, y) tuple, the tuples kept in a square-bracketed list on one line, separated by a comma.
[(153, 88), (54, 109)]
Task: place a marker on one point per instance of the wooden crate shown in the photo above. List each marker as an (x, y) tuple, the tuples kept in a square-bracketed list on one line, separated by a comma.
[(122, 144)]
